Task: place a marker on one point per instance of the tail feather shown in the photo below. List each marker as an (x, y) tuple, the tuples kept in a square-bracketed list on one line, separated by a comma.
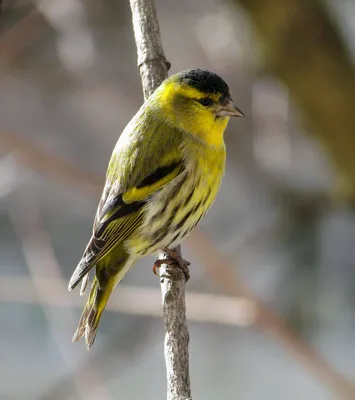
[(101, 290), (91, 316), (80, 273), (80, 331), (84, 283)]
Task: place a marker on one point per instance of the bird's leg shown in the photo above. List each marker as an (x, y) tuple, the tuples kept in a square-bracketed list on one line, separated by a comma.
[(173, 259), (159, 263), (179, 261)]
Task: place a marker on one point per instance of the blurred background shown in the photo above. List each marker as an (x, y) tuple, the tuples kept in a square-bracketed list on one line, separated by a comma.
[(272, 294)]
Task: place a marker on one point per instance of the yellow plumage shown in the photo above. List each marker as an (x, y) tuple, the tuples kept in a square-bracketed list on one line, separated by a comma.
[(163, 176)]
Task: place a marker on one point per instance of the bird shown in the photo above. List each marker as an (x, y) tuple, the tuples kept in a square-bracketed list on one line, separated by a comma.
[(164, 174)]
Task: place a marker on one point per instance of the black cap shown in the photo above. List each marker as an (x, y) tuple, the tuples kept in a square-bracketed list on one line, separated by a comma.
[(205, 81)]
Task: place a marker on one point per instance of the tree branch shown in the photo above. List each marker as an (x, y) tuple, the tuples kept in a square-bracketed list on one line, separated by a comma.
[(153, 68), (152, 63)]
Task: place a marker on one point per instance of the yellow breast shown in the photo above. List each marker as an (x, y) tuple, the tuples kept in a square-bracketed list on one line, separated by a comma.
[(175, 210)]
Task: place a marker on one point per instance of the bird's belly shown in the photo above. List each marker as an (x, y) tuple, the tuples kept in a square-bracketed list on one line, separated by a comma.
[(172, 214)]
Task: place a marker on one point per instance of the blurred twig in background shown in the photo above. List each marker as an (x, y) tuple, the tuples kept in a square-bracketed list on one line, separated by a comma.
[(16, 39), (202, 307), (48, 164)]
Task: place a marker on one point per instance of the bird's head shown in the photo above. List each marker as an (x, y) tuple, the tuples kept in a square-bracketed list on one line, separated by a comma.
[(199, 102)]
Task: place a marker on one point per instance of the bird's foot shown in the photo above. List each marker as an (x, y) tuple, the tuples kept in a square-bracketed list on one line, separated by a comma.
[(173, 259)]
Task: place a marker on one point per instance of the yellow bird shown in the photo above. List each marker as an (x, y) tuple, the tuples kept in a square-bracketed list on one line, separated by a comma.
[(163, 176)]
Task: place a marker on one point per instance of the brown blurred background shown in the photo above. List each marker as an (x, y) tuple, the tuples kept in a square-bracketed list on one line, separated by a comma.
[(283, 225)]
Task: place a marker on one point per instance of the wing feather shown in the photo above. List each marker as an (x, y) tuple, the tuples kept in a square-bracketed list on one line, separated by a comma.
[(118, 218)]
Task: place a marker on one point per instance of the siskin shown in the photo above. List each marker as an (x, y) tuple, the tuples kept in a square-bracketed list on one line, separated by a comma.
[(163, 176)]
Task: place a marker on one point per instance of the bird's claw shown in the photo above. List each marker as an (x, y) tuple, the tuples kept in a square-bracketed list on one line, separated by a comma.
[(173, 259)]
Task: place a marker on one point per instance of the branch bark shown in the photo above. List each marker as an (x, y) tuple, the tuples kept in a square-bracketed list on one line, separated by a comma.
[(152, 64), (153, 68)]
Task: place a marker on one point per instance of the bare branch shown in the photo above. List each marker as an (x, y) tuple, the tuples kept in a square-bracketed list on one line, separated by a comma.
[(153, 68), (152, 63), (177, 335)]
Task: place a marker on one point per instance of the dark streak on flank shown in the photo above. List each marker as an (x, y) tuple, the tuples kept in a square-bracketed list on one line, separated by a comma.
[(189, 197), (160, 213), (172, 215), (158, 233), (195, 224), (163, 210), (181, 223), (207, 197), (173, 194), (178, 186), (197, 206), (198, 220), (163, 233), (175, 237)]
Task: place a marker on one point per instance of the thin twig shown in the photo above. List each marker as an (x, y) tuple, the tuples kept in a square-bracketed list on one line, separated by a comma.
[(152, 64), (202, 307), (153, 68)]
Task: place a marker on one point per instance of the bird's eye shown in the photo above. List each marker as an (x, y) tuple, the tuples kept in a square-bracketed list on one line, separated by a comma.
[(206, 101)]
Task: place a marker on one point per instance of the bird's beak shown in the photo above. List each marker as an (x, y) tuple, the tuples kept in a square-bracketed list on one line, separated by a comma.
[(229, 109)]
